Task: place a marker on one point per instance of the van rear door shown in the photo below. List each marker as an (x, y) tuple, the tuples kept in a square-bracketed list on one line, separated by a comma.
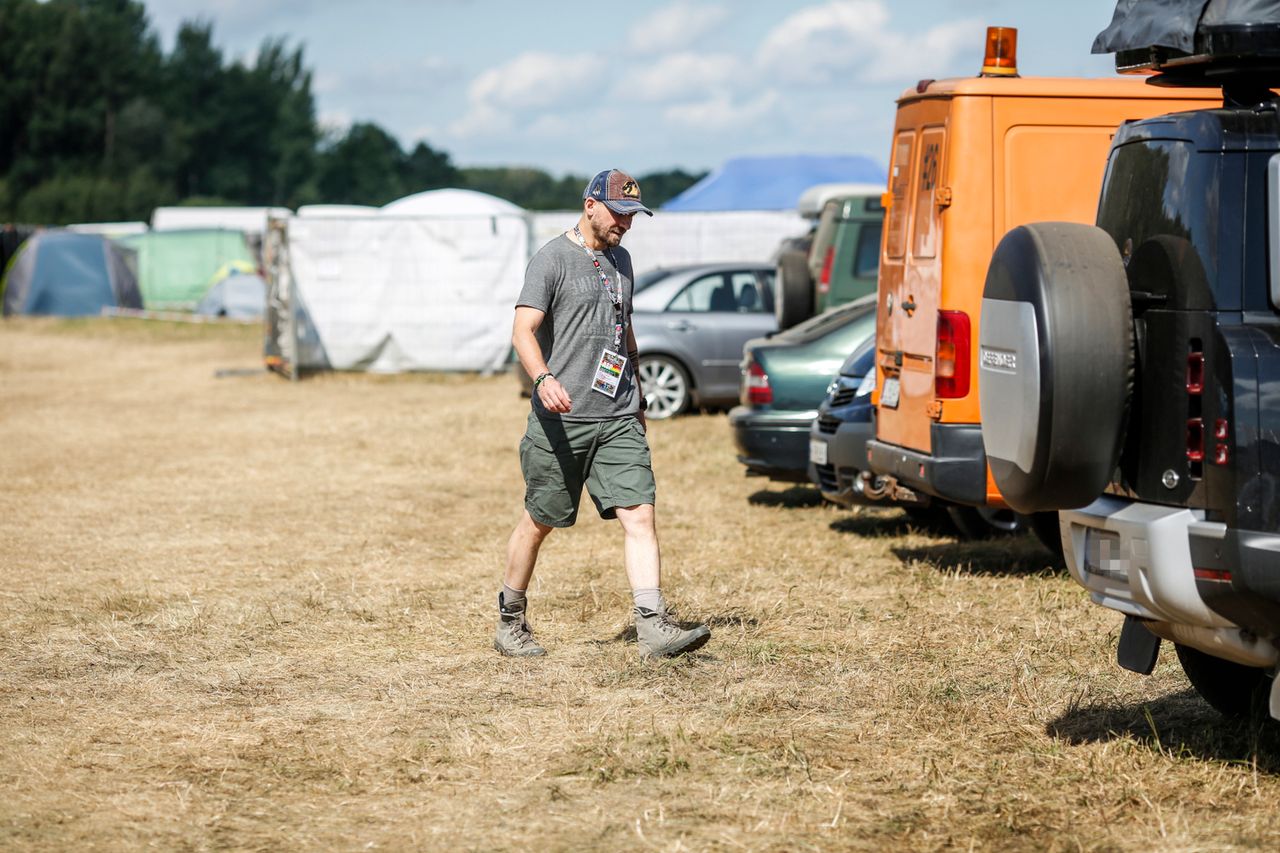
[(907, 323)]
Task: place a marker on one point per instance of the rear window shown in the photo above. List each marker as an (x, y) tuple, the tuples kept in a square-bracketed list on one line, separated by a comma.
[(827, 321), (866, 259), (899, 179), (1147, 208), (925, 242)]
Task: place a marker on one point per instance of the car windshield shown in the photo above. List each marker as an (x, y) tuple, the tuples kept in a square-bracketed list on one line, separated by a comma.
[(651, 277)]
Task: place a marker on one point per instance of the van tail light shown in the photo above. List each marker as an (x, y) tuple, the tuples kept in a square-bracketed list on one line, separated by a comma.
[(951, 367), (755, 385), (824, 279)]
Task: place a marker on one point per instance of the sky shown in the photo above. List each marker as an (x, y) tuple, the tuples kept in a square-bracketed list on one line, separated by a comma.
[(641, 86)]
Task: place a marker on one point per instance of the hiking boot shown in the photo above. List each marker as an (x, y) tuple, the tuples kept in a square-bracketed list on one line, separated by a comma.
[(514, 637), (660, 637)]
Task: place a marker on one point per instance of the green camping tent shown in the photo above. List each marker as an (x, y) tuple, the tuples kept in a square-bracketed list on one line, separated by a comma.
[(175, 268)]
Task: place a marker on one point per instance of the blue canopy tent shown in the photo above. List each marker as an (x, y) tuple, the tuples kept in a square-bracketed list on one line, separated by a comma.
[(69, 274), (772, 183)]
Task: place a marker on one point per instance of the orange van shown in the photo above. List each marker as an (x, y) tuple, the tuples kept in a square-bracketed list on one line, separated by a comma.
[(971, 159)]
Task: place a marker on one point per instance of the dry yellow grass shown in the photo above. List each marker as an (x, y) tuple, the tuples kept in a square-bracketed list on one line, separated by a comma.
[(243, 613)]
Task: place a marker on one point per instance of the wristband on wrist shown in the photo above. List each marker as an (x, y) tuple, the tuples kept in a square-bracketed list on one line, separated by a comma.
[(541, 377)]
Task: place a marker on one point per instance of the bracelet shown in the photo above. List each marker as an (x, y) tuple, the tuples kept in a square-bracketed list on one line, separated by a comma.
[(541, 377)]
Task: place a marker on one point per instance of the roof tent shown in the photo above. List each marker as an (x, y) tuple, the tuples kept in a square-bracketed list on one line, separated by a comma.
[(71, 275)]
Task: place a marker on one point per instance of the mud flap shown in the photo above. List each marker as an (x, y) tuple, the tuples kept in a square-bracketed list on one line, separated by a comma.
[(1139, 648)]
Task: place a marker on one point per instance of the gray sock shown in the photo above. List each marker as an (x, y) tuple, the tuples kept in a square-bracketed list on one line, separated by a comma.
[(512, 598), (649, 599)]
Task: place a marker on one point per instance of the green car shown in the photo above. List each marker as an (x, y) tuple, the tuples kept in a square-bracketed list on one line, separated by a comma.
[(785, 377), (845, 256), (840, 264)]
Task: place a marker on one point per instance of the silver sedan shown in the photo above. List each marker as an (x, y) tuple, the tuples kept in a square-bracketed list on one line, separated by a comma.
[(690, 326)]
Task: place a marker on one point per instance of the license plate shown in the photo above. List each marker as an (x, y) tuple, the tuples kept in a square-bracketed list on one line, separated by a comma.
[(889, 396), (817, 452), (1103, 555)]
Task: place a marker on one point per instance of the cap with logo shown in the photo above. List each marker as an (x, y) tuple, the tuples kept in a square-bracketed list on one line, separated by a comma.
[(618, 190)]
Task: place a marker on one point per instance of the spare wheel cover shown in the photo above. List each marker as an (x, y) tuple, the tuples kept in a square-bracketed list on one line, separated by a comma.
[(1055, 364)]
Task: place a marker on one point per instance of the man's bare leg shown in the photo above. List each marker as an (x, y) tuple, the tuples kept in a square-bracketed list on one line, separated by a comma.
[(640, 551), (656, 633), (522, 551), (514, 638)]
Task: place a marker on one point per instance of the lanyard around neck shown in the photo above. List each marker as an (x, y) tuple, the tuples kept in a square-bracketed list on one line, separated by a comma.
[(615, 294)]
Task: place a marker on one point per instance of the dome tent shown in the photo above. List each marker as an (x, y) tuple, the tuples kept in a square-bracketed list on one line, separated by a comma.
[(451, 202), (70, 275)]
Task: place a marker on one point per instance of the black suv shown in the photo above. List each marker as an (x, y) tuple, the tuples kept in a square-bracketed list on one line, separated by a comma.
[(1131, 371)]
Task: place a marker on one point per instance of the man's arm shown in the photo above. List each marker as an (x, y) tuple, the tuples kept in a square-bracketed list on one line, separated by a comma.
[(552, 394)]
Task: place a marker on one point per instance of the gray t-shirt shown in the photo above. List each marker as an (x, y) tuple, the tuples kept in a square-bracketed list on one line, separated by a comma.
[(562, 282)]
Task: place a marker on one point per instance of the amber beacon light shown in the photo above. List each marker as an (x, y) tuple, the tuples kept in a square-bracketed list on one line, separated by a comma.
[(1001, 59)]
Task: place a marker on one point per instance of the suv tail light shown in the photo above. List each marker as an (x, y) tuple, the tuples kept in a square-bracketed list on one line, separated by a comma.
[(951, 367), (824, 279), (755, 385), (1195, 440), (1195, 373)]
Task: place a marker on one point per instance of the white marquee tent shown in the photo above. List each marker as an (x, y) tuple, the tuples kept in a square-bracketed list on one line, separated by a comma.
[(428, 282)]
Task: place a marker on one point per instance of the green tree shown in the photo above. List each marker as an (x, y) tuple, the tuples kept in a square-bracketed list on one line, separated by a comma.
[(428, 169), (362, 167), (659, 188)]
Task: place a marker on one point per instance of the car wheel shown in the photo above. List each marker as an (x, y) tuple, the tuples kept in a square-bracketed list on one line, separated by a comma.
[(1234, 690), (1056, 363), (793, 301), (665, 386), (984, 522)]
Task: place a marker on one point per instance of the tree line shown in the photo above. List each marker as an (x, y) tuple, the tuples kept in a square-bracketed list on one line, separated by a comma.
[(99, 123)]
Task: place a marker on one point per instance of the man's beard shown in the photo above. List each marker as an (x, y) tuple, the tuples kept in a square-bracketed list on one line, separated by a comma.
[(609, 235)]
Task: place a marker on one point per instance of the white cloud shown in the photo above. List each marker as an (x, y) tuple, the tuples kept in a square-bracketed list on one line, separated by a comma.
[(481, 120), (721, 113), (853, 39), (534, 80), (675, 27), (682, 77)]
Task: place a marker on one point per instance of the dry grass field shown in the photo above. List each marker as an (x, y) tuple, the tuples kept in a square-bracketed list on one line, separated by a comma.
[(238, 612)]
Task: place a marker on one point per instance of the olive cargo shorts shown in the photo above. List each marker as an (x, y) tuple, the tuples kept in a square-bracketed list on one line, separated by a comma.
[(558, 457)]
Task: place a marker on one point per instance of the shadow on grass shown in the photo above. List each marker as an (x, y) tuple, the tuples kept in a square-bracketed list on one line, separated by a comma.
[(792, 498), (875, 525), (1180, 725), (1003, 556), (628, 634)]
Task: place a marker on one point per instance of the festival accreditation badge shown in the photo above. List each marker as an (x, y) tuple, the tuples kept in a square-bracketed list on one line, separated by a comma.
[(609, 373)]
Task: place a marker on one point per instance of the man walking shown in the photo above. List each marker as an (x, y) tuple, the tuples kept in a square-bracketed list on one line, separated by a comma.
[(573, 335)]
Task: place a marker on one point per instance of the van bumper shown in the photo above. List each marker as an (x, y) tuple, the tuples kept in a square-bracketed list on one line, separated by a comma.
[(956, 470)]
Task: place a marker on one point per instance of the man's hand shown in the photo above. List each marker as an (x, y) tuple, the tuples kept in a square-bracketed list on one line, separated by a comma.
[(553, 396)]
